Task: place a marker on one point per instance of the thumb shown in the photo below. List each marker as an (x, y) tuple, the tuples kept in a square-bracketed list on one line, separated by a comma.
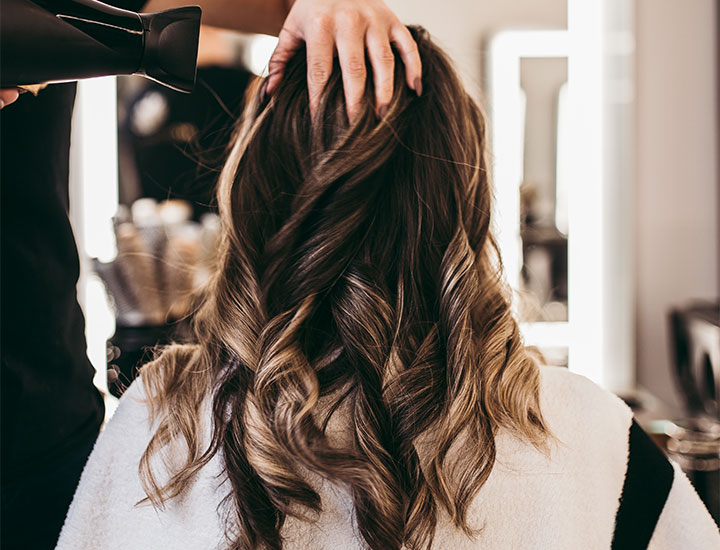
[(7, 96)]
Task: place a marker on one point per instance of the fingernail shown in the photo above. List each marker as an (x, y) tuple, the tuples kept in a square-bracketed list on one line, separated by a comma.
[(418, 86), (382, 111), (264, 93), (2, 104)]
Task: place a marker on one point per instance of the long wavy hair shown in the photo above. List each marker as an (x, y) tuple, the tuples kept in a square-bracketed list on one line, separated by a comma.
[(357, 266)]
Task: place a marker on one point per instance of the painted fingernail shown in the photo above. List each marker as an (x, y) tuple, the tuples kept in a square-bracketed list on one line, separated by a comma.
[(265, 91), (382, 111), (418, 86)]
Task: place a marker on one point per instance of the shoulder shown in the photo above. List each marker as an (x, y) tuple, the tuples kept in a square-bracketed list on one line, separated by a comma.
[(123, 439), (577, 408), (567, 496), (649, 499), (591, 429), (564, 386), (109, 485), (132, 419), (109, 508)]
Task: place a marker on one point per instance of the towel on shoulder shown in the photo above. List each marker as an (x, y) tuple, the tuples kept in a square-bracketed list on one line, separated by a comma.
[(603, 486)]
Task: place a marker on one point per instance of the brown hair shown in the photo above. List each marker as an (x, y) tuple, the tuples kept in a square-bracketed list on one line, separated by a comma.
[(357, 265)]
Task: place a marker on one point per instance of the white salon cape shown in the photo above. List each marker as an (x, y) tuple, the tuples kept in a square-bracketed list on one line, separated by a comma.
[(602, 487)]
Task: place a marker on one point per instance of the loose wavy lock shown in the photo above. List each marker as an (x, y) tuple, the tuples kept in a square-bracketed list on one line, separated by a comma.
[(357, 266)]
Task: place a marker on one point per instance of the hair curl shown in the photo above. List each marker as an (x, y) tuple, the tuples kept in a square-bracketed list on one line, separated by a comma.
[(357, 264)]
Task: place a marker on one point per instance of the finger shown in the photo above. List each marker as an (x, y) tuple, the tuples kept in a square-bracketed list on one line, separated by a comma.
[(288, 43), (8, 96), (408, 49), (319, 61), (383, 66), (350, 41)]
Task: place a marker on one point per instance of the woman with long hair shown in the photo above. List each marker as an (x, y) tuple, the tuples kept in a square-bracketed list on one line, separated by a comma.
[(357, 378)]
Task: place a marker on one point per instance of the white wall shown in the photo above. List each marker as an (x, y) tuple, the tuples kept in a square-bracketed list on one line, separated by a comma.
[(463, 27), (677, 173)]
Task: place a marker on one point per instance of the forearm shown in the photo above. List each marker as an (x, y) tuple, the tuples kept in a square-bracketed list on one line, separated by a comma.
[(257, 16)]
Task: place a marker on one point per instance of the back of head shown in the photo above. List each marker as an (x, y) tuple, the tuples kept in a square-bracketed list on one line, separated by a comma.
[(357, 263)]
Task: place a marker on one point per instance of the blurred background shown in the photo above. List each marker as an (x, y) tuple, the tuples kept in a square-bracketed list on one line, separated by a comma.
[(605, 149)]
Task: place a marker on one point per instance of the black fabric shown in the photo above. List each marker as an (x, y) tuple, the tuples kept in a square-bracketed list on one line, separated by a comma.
[(34, 507), (49, 408), (648, 480), (48, 399)]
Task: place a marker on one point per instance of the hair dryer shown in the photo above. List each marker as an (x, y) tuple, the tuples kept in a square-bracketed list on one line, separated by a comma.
[(63, 40)]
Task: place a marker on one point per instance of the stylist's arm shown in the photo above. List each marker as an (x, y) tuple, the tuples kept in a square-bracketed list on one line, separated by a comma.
[(346, 28)]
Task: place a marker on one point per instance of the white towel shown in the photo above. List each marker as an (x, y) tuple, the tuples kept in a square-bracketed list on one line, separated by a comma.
[(568, 501)]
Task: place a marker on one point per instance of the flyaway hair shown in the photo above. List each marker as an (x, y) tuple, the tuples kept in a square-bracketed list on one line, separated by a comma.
[(357, 267)]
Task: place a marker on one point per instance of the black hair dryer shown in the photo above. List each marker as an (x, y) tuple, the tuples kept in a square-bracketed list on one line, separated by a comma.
[(64, 40)]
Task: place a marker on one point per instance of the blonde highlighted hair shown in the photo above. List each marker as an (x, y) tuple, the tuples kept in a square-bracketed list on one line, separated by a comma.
[(357, 265)]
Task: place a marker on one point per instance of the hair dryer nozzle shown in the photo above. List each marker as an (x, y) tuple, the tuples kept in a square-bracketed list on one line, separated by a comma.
[(171, 44), (61, 40)]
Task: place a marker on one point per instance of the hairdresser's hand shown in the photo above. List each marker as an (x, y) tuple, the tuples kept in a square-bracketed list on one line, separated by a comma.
[(8, 96), (348, 27)]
